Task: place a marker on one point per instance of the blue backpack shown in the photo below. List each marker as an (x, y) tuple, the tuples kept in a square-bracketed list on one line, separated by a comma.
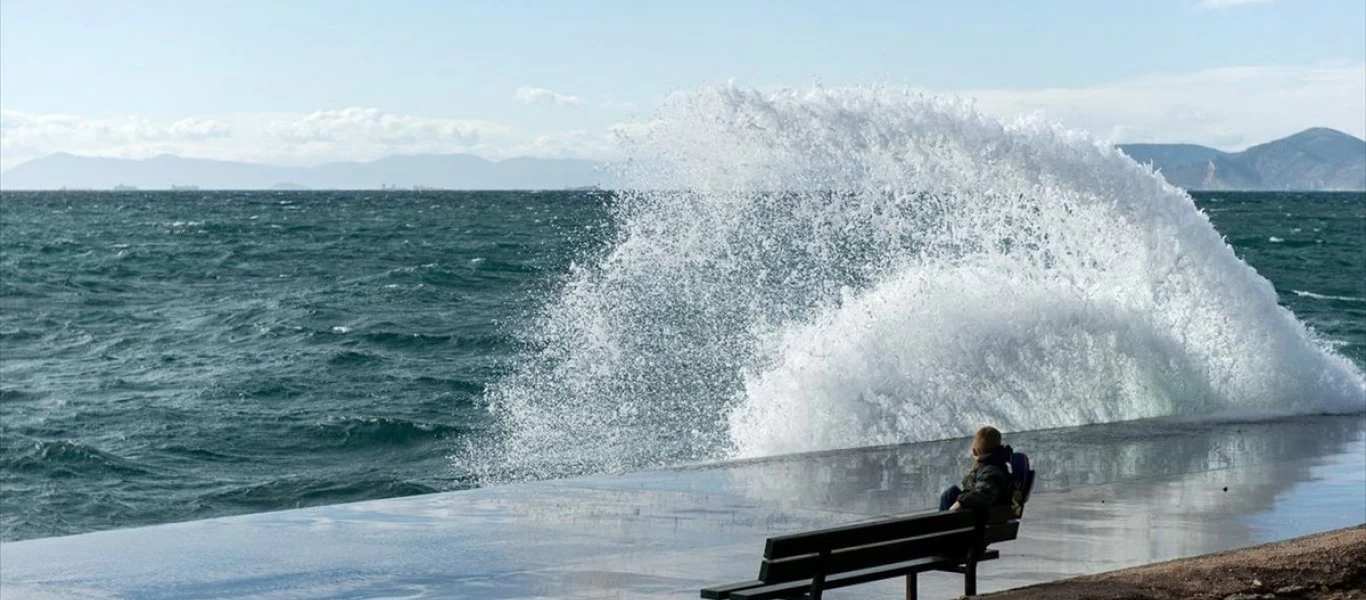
[(1021, 481)]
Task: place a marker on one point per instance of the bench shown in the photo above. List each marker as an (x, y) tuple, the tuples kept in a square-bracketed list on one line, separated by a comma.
[(803, 565)]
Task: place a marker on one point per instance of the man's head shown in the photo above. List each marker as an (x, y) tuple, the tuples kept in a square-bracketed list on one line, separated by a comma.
[(987, 439)]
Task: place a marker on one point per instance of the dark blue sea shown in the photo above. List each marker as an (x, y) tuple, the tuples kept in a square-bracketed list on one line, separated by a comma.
[(167, 356)]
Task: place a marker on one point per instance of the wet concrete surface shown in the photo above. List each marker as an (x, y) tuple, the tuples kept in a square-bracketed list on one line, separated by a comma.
[(1108, 497)]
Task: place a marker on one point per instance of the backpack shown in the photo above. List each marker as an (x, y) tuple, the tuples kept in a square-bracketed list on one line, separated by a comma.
[(1021, 481)]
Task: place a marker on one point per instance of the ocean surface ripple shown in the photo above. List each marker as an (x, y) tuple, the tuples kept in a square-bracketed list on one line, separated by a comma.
[(177, 355)]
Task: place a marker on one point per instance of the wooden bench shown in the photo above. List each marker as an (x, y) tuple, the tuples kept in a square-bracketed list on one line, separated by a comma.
[(803, 565)]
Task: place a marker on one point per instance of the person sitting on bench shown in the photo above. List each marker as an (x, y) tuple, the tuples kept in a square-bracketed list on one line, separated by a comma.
[(988, 483)]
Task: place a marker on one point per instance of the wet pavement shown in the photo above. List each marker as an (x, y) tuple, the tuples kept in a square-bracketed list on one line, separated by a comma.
[(1108, 497)]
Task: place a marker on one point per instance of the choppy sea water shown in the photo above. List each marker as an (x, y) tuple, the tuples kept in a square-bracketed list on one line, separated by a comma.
[(179, 355), (171, 356)]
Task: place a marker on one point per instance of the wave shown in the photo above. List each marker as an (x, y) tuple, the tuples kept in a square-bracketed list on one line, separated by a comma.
[(368, 432), (408, 340), (1304, 294), (304, 492), (69, 458), (832, 268)]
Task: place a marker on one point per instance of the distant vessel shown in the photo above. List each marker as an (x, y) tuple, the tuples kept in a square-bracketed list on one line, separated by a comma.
[(184, 188), (125, 188)]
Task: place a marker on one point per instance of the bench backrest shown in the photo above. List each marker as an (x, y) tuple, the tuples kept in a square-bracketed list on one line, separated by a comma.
[(870, 544), (1021, 481)]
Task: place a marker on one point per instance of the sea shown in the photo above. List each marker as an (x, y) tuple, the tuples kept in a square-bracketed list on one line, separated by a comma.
[(180, 355), (177, 355)]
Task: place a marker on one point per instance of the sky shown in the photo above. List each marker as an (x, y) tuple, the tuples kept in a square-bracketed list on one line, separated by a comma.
[(304, 82)]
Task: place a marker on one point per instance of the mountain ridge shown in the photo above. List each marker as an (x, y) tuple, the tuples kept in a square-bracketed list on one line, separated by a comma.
[(1316, 159)]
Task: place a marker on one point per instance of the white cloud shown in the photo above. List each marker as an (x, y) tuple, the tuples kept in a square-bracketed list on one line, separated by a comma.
[(576, 143), (536, 95), (199, 129), (1228, 108), (24, 135), (283, 138), (371, 125), (1228, 3)]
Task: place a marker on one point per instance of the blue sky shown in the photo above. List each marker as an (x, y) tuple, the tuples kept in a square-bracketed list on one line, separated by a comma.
[(307, 81)]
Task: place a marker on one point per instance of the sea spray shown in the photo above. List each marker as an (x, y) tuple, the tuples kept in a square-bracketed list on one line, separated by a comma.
[(806, 270)]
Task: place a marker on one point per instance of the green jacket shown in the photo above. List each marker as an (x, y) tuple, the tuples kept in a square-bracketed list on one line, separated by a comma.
[(986, 485)]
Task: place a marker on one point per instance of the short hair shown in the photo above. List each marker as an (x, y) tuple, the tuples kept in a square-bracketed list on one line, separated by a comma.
[(988, 438)]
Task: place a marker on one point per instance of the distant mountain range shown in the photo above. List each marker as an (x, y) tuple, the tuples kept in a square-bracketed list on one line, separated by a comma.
[(1314, 159), (444, 171), (1311, 160)]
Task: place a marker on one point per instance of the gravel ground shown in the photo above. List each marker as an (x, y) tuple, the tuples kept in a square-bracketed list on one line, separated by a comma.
[(1325, 566)]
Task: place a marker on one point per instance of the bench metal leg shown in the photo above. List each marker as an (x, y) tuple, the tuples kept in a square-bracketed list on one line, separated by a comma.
[(818, 582), (970, 578), (911, 592), (970, 572)]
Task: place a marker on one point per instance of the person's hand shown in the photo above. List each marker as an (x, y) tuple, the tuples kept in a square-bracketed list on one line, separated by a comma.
[(956, 506)]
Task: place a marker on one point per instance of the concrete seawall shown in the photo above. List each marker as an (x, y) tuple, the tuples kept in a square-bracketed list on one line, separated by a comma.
[(1109, 497)]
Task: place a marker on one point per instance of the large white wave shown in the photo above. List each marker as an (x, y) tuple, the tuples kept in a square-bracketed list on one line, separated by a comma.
[(827, 268)]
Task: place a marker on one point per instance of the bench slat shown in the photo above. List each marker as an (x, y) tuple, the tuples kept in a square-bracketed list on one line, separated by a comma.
[(721, 592), (951, 543), (872, 532), (920, 565)]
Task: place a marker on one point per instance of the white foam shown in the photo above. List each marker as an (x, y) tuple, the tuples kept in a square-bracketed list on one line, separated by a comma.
[(1304, 294), (815, 269)]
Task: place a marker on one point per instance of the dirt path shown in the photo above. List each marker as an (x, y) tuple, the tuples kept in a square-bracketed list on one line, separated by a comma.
[(1325, 566)]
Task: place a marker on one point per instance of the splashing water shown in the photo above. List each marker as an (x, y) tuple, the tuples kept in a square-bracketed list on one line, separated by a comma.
[(807, 270)]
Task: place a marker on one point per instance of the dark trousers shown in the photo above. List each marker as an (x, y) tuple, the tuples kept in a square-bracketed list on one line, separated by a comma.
[(949, 496)]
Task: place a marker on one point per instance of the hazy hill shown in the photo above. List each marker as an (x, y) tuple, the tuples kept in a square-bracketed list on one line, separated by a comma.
[(450, 171), (1313, 159)]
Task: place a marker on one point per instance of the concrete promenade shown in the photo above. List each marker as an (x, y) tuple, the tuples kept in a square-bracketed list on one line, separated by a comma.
[(1108, 497)]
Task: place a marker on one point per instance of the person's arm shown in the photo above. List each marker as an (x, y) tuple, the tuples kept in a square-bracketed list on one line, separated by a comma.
[(984, 491)]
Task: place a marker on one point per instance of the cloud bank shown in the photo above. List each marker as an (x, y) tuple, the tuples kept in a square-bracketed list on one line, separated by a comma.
[(353, 133), (1228, 108)]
